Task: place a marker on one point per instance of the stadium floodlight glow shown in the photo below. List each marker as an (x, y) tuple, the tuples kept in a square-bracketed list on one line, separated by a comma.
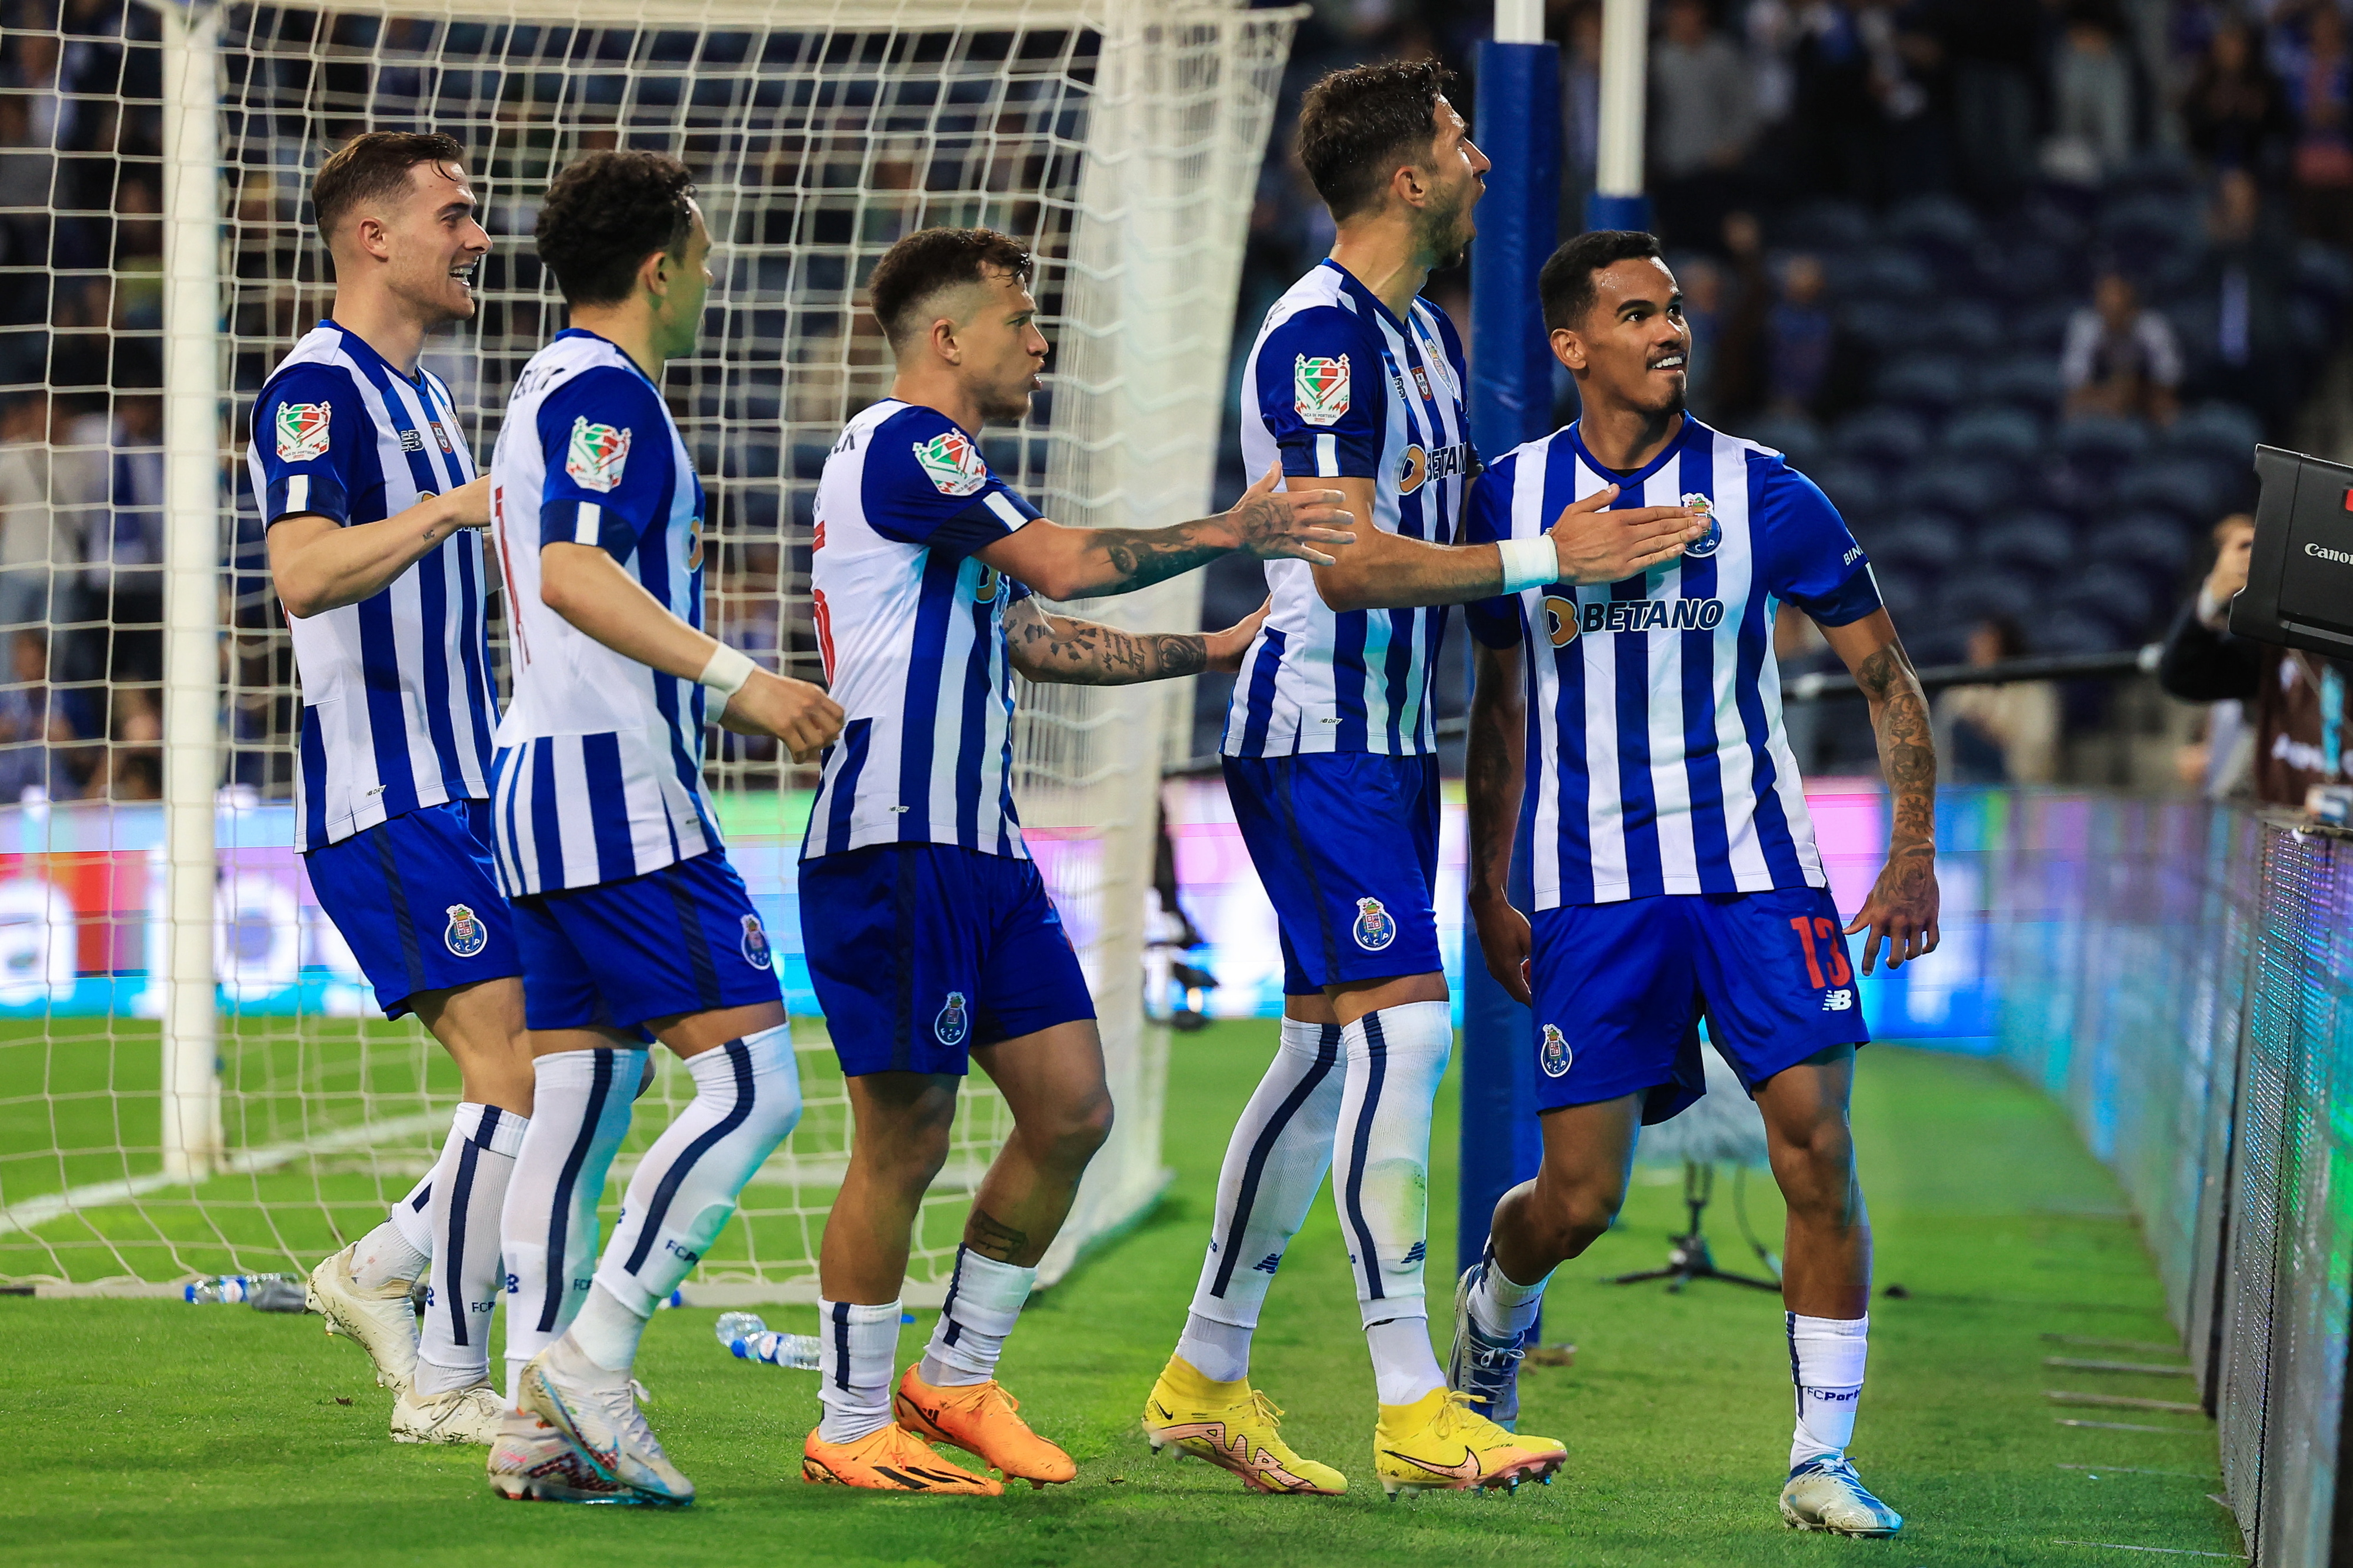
[(1122, 140)]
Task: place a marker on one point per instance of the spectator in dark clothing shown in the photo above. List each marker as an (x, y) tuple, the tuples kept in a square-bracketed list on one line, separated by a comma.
[(2245, 275), (1734, 381), (2294, 702), (1800, 341), (2235, 112), (1991, 48), (1701, 121), (2120, 359), (1837, 117), (2320, 89)]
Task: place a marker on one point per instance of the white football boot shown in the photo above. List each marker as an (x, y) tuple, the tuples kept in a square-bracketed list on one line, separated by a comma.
[(1826, 1494), (382, 1320), (599, 1412), (462, 1416), (534, 1462)]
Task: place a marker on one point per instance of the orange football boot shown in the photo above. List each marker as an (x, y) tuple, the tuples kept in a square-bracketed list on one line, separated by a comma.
[(979, 1418), (889, 1459)]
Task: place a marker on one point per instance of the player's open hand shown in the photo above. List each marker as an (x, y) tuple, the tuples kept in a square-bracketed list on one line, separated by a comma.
[(469, 503), (1597, 544), (1506, 939), (1288, 525), (1225, 648), (1901, 910), (797, 714)]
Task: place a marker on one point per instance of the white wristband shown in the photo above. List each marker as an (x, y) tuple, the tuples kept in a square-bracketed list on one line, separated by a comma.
[(1529, 563), (728, 670)]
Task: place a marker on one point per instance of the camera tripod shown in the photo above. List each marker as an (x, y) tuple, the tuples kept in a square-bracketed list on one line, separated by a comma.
[(1688, 1257)]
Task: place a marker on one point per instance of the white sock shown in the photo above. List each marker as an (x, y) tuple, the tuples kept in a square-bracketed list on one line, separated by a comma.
[(400, 1249), (1404, 1367), (857, 1347), (1380, 1177), (580, 1113), (747, 1096), (1502, 1306), (608, 1329), (1274, 1163), (1218, 1351), (984, 1299), (453, 1348), (1826, 1357)]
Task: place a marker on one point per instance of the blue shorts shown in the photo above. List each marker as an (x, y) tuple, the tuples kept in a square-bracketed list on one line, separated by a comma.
[(1347, 844), (417, 899), (1621, 989), (681, 940), (920, 952)]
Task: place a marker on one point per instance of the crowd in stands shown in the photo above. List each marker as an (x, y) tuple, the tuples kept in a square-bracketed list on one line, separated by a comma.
[(2018, 282)]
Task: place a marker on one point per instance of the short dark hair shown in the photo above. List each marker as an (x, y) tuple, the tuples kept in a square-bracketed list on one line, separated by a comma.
[(1356, 126), (931, 260), (373, 167), (604, 215), (1566, 285)]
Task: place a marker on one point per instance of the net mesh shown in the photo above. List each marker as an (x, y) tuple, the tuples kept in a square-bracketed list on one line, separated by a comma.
[(1121, 143)]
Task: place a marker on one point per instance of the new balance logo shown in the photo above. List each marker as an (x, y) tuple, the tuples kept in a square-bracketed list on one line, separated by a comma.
[(1836, 1001), (1267, 1264), (1420, 1250)]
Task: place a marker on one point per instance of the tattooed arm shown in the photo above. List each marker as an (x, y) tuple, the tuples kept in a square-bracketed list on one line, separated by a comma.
[(1268, 523), (1492, 777), (1046, 646), (1903, 903)]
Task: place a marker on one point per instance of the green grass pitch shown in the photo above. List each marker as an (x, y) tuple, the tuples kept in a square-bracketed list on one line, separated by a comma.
[(150, 1432)]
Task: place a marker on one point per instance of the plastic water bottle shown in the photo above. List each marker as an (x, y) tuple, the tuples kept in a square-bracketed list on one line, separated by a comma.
[(750, 1338), (225, 1289)]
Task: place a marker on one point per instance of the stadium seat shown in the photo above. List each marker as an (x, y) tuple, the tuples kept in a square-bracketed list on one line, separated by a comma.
[(1793, 436), (2025, 272), (2114, 593), (1924, 543), (2156, 545), (1978, 593), (1827, 227), (1902, 594), (1931, 386), (2033, 542), (1881, 272), (2103, 438), (1938, 223), (2219, 430), (1956, 487), (1884, 437), (2042, 328), (1853, 487), (2080, 631), (1971, 328), (1995, 433), (2027, 382), (1880, 325), (2194, 490)]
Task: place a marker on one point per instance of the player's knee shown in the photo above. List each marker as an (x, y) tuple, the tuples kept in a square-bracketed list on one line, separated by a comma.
[(1816, 1170), (1573, 1217), (1071, 1136)]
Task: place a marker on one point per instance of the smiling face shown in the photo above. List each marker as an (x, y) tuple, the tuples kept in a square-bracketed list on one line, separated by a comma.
[(1454, 179), (428, 241), (999, 353), (1632, 351)]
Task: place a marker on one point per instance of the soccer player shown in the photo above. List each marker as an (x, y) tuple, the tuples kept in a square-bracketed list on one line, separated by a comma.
[(1676, 874), (931, 939), (373, 507), (630, 920), (1357, 383)]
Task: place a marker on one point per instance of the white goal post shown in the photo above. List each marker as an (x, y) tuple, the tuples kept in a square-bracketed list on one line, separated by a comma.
[(230, 1107)]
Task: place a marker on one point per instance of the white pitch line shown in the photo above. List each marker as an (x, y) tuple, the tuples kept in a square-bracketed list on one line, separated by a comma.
[(2169, 1550)]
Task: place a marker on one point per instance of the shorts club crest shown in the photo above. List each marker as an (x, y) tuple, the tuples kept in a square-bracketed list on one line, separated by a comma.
[(952, 1022), (466, 935), (1554, 1055), (1376, 928), (755, 944)]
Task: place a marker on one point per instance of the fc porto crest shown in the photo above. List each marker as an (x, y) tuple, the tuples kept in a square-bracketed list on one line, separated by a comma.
[(465, 935), (951, 463), (1319, 388), (755, 944), (953, 1022), (597, 455), (1554, 1055), (1375, 927), (1704, 545), (303, 430)]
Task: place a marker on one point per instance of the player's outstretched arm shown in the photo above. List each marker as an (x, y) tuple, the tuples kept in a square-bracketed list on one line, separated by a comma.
[(1268, 523), (1492, 775), (318, 565), (1903, 905), (593, 592), (1588, 545), (1087, 653)]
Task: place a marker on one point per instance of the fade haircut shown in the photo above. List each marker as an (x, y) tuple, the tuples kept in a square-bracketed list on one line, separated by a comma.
[(373, 168), (931, 260), (605, 214), (1566, 285), (1357, 125)]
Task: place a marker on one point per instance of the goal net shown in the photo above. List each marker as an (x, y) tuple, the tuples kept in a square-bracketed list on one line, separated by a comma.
[(192, 1078)]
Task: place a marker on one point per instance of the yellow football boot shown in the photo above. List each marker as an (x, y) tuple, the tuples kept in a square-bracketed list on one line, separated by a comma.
[(1440, 1441), (889, 1459), (980, 1420), (1234, 1428)]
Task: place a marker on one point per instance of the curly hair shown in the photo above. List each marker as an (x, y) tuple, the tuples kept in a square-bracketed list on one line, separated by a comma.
[(605, 214), (1357, 126)]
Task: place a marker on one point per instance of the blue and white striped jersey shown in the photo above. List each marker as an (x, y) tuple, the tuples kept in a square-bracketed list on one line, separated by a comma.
[(1656, 761), (912, 627), (599, 769), (397, 708), (1338, 387)]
